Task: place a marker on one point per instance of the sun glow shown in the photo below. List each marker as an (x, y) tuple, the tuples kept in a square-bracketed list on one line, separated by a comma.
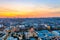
[(28, 9)]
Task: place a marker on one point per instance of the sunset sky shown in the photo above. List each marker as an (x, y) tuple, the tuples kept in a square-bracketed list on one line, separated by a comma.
[(29, 8)]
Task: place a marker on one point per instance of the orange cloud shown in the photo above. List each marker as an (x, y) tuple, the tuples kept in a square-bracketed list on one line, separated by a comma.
[(22, 14)]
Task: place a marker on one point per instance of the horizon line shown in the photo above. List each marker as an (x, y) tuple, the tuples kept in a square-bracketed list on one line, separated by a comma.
[(32, 17)]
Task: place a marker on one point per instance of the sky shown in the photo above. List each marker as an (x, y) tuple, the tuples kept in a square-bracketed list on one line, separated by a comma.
[(29, 8)]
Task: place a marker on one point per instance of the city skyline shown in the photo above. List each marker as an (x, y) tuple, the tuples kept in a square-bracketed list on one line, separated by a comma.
[(29, 8)]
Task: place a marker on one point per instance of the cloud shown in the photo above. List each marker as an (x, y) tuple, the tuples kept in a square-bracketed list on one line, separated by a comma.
[(30, 7), (28, 10)]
